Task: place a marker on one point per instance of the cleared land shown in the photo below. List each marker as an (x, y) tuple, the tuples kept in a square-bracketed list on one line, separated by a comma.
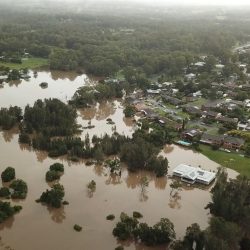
[(230, 160), (30, 63)]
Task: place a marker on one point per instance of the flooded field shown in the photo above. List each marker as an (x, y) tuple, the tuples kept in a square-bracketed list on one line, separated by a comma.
[(61, 85), (39, 227)]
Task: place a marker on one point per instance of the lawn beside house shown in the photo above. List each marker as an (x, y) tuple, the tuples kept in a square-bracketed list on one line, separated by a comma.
[(230, 160), (30, 63)]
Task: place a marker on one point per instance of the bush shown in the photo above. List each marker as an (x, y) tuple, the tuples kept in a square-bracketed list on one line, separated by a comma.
[(77, 228), (110, 217), (137, 215), (91, 185), (20, 189), (8, 174), (4, 192), (129, 111), (52, 175), (57, 167), (6, 210), (119, 248), (53, 197)]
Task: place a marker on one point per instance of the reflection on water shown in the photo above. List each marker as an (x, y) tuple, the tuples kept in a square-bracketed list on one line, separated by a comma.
[(97, 116), (57, 214)]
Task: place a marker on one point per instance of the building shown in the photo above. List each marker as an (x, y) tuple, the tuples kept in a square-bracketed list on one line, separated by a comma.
[(193, 110), (212, 139), (172, 100), (153, 91), (191, 134), (192, 174), (234, 143)]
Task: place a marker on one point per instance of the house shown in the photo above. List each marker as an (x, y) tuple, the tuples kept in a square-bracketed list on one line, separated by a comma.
[(190, 98), (191, 174), (190, 76), (191, 134), (231, 142), (211, 114), (209, 106), (172, 100), (199, 64), (149, 113), (169, 123), (245, 126), (168, 84), (153, 91), (219, 66), (3, 78), (212, 139), (192, 110), (225, 119)]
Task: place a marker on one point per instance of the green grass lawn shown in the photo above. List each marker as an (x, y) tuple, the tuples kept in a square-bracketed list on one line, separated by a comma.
[(230, 160), (30, 63)]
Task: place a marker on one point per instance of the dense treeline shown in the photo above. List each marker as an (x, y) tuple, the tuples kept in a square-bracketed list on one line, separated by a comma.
[(10, 117), (86, 95), (104, 44), (50, 117), (130, 228), (229, 227)]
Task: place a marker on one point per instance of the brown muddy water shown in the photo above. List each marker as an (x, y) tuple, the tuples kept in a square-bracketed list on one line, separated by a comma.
[(38, 227)]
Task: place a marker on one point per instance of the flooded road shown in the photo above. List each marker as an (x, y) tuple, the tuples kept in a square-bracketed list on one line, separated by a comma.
[(39, 227)]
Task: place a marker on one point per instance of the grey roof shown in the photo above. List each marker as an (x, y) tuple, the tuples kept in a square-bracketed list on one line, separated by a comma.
[(234, 140)]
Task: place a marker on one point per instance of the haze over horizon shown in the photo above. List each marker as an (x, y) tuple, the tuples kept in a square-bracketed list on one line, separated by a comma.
[(151, 2)]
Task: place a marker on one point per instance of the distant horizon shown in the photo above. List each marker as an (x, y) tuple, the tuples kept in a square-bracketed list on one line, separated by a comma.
[(148, 2)]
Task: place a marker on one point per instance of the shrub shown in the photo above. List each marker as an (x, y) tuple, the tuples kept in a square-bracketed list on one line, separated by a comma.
[(6, 210), (77, 228), (52, 175), (53, 197), (8, 174), (57, 167), (4, 192), (110, 217), (137, 215), (119, 248), (20, 189)]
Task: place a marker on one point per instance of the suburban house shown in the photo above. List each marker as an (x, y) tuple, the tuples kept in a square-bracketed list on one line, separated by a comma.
[(150, 113), (211, 114), (228, 142), (172, 100), (192, 110), (245, 126), (224, 119), (192, 175), (191, 134), (212, 139), (153, 91), (231, 142)]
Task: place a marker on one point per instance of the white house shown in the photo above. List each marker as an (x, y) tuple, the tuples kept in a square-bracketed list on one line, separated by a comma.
[(192, 174)]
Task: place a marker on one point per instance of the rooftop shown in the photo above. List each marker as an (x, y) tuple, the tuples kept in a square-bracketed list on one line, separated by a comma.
[(193, 174)]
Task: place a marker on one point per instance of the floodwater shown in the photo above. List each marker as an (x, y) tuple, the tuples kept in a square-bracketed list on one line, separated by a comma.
[(39, 227), (61, 85), (97, 116)]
